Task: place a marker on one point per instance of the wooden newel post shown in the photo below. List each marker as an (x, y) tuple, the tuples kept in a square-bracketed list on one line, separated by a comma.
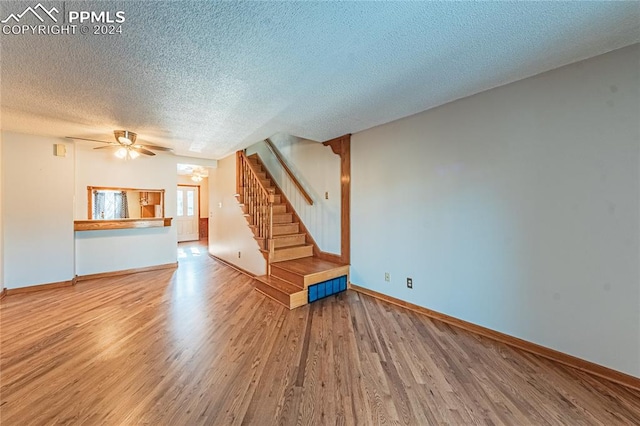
[(239, 168)]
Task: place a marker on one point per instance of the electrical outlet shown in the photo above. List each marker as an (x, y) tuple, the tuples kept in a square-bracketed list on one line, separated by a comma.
[(409, 282), (239, 254), (326, 195), (387, 277)]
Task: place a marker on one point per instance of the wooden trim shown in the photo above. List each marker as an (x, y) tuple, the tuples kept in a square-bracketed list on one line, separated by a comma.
[(39, 287), (342, 146), (118, 188), (172, 265), (100, 225), (552, 354), (286, 168), (238, 172), (90, 190), (3, 293), (232, 266), (89, 202)]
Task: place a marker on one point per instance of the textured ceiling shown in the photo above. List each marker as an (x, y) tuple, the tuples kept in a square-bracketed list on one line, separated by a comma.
[(207, 78)]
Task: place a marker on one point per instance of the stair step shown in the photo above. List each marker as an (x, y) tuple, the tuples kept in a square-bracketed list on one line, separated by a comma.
[(292, 252), (282, 218), (308, 271), (255, 165), (267, 183), (286, 228), (287, 240), (279, 208), (284, 292), (248, 200)]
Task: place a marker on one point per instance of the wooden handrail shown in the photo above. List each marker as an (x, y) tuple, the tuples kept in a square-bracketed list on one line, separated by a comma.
[(286, 168)]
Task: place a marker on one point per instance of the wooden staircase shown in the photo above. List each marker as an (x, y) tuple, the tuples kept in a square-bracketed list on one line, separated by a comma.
[(283, 241)]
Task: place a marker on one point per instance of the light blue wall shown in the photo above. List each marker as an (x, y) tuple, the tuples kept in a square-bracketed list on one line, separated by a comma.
[(516, 209)]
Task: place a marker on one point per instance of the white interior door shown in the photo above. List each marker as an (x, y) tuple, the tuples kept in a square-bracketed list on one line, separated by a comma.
[(188, 213)]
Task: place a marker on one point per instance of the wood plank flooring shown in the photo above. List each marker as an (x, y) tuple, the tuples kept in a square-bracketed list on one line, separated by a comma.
[(198, 346)]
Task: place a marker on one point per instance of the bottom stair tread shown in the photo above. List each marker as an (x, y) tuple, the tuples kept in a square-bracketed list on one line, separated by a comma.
[(289, 295), (284, 286)]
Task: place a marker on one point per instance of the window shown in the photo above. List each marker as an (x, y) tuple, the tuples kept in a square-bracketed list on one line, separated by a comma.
[(190, 203), (110, 205), (180, 203)]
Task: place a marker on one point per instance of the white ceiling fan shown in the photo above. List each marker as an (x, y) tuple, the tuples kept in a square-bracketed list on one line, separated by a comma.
[(126, 145)]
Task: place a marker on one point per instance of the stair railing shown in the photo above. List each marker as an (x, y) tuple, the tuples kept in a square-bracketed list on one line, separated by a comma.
[(257, 199)]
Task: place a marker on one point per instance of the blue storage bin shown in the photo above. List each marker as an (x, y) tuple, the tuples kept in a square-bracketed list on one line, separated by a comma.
[(313, 293), (327, 288), (321, 292)]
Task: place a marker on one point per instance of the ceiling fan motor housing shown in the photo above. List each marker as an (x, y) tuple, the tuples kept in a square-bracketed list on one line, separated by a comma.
[(125, 137)]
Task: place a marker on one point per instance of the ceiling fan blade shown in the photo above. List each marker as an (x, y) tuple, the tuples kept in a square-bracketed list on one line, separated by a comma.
[(154, 147), (90, 140), (113, 145), (143, 151)]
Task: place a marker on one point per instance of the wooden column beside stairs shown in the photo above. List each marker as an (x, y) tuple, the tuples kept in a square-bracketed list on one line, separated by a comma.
[(291, 264)]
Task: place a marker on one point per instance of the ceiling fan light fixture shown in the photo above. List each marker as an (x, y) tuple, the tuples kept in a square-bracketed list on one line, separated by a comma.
[(121, 153), (126, 153)]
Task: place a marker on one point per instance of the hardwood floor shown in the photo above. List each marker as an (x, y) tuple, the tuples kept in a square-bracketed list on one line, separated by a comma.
[(199, 346)]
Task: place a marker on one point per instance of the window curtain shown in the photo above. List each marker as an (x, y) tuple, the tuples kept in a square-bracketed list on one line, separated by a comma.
[(110, 205), (121, 205), (98, 205)]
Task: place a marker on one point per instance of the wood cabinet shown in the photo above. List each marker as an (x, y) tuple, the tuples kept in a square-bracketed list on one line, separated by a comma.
[(151, 204)]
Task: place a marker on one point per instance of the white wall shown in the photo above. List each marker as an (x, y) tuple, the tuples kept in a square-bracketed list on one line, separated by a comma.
[(228, 229), (37, 210), (114, 250), (318, 170), (516, 209)]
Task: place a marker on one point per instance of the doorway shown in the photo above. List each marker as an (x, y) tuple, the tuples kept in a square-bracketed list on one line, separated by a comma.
[(188, 213)]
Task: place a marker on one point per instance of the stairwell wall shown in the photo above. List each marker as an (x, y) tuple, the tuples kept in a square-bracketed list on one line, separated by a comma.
[(229, 233), (516, 209), (318, 170)]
